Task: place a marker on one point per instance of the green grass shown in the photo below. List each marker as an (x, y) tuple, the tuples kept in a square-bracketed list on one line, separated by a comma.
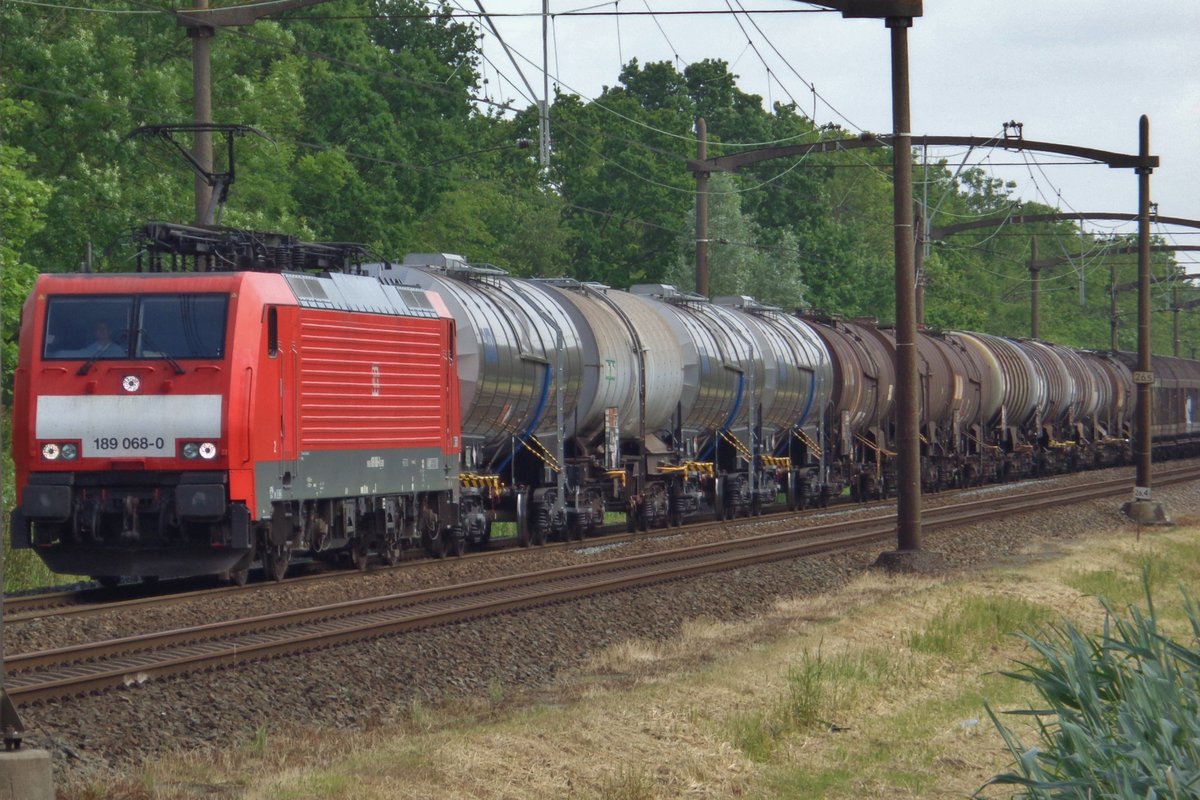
[(1178, 563), (320, 785), (897, 755), (508, 530), (628, 784), (815, 691), (977, 624), (793, 782), (23, 570)]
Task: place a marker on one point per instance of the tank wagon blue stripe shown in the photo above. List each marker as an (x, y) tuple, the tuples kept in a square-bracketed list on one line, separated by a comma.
[(538, 413)]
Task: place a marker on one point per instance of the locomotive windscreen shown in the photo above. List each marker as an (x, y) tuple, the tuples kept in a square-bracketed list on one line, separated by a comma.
[(176, 326)]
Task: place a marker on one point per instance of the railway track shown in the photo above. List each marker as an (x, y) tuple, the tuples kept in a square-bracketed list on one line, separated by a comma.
[(134, 660), (90, 601)]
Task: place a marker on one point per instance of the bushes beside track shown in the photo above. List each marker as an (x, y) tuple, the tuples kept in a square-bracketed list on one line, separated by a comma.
[(1121, 714)]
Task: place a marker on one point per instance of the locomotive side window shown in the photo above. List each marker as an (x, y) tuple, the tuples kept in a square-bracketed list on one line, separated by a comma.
[(272, 332), (88, 327), (177, 326)]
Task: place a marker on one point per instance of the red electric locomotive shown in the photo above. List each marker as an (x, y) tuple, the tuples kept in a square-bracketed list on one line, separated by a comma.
[(185, 423)]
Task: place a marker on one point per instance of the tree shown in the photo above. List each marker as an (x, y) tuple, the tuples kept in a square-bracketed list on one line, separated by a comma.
[(742, 261), (22, 200)]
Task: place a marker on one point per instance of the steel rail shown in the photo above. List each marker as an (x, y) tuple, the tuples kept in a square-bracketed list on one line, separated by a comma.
[(88, 602)]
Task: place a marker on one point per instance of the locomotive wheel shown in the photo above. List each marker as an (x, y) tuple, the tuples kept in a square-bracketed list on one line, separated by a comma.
[(239, 577), (275, 561)]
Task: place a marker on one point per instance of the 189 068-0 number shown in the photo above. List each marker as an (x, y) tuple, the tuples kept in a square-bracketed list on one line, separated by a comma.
[(128, 443)]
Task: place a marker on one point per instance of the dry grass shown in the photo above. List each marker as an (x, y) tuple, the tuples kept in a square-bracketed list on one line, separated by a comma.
[(875, 690)]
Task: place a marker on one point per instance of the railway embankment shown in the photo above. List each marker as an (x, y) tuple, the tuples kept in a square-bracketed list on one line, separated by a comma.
[(815, 677)]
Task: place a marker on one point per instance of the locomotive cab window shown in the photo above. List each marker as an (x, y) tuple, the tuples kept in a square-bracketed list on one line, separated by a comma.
[(175, 326)]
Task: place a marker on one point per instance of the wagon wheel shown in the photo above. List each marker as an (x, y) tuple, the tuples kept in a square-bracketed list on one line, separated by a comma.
[(108, 581), (435, 544), (457, 541), (275, 560), (523, 518), (540, 530), (582, 525), (360, 555), (392, 551)]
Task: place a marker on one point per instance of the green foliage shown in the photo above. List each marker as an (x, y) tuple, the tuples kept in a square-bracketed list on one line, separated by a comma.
[(22, 569), (376, 135), (22, 199), (737, 264), (1121, 715)]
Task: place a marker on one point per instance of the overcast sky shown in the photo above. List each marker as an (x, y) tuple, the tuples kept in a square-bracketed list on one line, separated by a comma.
[(1077, 72)]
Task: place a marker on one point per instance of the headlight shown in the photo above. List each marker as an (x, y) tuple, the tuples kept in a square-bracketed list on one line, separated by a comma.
[(193, 450), (69, 451), (50, 451)]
